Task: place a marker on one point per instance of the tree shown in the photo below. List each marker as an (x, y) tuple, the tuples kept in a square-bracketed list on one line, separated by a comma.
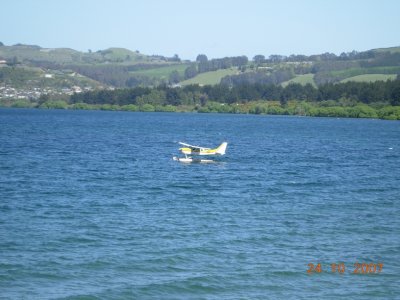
[(258, 59), (395, 96), (190, 71), (1, 44), (174, 77), (240, 60), (43, 98), (173, 96), (14, 61), (176, 58), (328, 56), (201, 58), (276, 58)]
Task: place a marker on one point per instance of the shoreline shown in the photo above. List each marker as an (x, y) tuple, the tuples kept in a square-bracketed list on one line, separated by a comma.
[(273, 108)]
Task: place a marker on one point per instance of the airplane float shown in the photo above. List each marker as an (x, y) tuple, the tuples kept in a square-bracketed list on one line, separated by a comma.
[(189, 150)]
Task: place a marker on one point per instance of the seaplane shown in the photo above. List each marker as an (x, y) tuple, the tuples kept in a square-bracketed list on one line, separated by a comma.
[(189, 150)]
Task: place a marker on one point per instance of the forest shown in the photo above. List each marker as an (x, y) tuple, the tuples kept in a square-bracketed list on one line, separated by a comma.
[(385, 92), (379, 99)]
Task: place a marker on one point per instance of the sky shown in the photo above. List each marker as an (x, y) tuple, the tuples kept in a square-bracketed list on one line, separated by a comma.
[(217, 28)]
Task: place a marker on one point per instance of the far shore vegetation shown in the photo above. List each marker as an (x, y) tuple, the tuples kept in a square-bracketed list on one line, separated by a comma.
[(379, 99), (292, 108), (353, 84)]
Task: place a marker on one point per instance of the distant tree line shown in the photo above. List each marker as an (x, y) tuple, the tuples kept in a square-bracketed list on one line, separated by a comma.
[(115, 75), (260, 77), (344, 56), (374, 92), (203, 64), (206, 65)]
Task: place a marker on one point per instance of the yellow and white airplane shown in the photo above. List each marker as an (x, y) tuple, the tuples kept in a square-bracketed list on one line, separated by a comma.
[(197, 150)]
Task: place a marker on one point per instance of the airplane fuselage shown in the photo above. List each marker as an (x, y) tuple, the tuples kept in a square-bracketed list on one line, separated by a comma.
[(200, 151), (194, 150)]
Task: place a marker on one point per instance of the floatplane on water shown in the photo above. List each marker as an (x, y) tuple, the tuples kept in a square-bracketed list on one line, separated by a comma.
[(189, 150)]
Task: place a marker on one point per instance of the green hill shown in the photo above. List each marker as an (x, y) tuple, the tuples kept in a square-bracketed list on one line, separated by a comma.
[(29, 53), (110, 67), (122, 55), (119, 67), (35, 54), (370, 78), (213, 77), (33, 77), (390, 50), (347, 73), (162, 72), (301, 79)]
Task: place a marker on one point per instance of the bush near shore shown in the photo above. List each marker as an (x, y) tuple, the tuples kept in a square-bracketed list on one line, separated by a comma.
[(293, 108)]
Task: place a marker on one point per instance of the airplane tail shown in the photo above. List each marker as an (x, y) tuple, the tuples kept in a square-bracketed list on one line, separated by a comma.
[(222, 148)]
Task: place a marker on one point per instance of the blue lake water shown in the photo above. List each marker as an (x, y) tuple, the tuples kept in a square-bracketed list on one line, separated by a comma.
[(92, 206)]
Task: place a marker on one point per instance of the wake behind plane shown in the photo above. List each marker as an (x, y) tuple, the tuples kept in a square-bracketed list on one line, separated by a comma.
[(189, 150)]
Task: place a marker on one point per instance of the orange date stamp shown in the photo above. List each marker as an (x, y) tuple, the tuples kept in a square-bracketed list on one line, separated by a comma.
[(340, 268)]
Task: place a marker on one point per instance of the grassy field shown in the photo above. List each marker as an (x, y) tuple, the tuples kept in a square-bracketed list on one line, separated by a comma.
[(370, 78), (35, 53), (121, 54), (24, 77), (361, 71), (68, 56), (210, 78), (162, 72), (302, 79), (391, 50)]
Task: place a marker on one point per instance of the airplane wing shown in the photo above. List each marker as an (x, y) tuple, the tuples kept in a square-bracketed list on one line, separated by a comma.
[(192, 147)]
